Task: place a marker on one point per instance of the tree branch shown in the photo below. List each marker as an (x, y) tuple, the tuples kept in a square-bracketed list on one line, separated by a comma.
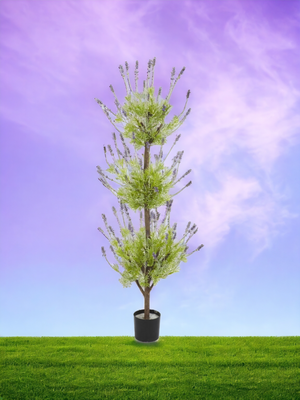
[(139, 286)]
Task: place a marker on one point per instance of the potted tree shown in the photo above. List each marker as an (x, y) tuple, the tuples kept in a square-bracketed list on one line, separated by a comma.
[(151, 253)]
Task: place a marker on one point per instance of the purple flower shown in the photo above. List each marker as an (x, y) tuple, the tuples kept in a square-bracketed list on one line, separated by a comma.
[(121, 70), (164, 108), (111, 229), (124, 112), (154, 255), (133, 136), (130, 227), (193, 227), (155, 188)]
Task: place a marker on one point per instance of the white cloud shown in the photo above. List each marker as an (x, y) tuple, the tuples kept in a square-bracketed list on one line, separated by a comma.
[(244, 120)]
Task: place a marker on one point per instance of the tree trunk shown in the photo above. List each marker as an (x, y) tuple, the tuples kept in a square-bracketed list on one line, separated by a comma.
[(147, 228), (147, 303)]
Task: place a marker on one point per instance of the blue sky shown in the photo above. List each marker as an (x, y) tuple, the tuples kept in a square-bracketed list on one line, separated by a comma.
[(241, 141)]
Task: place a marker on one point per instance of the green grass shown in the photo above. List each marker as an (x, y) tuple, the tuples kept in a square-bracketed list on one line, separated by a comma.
[(185, 368)]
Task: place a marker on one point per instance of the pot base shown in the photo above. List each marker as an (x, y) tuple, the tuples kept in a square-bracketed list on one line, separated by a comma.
[(146, 342)]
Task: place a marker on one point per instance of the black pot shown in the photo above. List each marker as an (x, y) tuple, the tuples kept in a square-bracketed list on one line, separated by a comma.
[(146, 330)]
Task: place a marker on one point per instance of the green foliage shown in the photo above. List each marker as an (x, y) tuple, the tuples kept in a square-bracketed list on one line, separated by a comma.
[(146, 119), (138, 191), (136, 253), (143, 117)]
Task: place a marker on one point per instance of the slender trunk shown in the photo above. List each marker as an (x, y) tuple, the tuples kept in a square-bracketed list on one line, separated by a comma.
[(147, 228), (147, 303)]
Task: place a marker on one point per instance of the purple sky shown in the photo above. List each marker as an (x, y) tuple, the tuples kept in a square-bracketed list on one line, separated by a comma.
[(241, 140)]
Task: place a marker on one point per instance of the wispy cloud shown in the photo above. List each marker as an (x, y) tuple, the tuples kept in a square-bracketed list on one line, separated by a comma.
[(244, 119)]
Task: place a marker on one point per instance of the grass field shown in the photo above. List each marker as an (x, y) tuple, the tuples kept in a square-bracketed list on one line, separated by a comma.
[(185, 368)]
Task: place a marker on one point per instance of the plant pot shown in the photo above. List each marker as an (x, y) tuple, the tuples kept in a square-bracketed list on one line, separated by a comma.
[(146, 330)]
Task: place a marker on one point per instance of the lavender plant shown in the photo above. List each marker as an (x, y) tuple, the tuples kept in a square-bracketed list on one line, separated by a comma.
[(151, 253)]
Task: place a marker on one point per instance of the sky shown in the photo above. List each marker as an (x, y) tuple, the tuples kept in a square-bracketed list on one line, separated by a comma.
[(241, 140)]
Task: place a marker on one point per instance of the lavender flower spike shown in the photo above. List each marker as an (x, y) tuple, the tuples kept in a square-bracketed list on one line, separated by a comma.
[(136, 73)]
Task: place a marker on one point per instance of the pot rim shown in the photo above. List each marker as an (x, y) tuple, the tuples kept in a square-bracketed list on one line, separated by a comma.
[(151, 311)]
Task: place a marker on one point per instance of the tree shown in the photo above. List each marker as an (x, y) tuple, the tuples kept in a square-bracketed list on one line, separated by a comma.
[(151, 253)]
